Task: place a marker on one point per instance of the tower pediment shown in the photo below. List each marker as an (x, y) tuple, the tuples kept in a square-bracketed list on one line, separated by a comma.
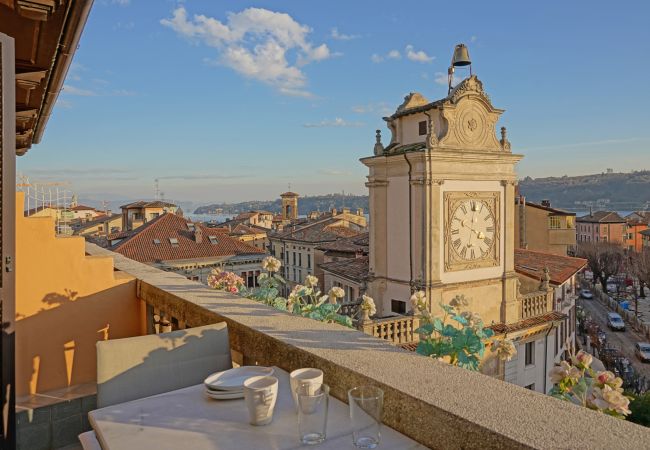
[(469, 119)]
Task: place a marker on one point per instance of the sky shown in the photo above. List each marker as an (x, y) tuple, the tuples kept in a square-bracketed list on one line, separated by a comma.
[(226, 101)]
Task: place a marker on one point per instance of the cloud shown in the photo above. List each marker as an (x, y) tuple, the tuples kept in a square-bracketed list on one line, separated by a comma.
[(124, 25), (259, 44), (373, 108), (417, 56), (336, 123), (72, 90), (473, 39), (441, 78), (121, 2), (393, 54), (341, 36), (210, 176)]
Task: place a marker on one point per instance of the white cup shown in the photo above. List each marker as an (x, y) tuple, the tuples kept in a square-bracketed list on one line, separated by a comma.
[(260, 394), (308, 380)]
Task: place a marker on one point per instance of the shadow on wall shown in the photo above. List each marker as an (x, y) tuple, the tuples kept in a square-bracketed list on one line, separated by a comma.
[(56, 345)]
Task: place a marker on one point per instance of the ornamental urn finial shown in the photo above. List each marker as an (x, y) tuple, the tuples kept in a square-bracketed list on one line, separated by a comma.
[(379, 147)]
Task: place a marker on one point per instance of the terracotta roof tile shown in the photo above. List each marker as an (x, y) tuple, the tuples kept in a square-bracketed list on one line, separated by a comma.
[(503, 328), (353, 244), (82, 208), (352, 268), (149, 204), (602, 217), (561, 268), (140, 245), (321, 230)]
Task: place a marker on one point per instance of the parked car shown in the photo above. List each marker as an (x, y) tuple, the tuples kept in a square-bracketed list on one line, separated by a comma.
[(586, 293), (612, 287), (615, 322), (642, 351)]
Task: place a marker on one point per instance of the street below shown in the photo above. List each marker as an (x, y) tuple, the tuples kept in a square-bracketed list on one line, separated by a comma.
[(622, 340)]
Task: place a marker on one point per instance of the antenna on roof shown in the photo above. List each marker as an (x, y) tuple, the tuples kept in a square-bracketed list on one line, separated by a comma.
[(156, 190)]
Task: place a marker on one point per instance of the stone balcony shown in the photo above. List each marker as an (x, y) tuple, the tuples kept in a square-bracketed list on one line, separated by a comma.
[(436, 404)]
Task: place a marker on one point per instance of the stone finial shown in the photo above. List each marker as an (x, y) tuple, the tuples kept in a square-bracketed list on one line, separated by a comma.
[(379, 147), (505, 143)]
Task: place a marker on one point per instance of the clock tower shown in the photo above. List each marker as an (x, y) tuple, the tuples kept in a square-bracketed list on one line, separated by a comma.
[(442, 206)]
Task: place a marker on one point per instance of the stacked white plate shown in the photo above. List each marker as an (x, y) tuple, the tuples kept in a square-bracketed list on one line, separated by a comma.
[(229, 384)]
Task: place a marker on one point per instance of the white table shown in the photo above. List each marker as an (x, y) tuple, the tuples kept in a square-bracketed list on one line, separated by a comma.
[(187, 419)]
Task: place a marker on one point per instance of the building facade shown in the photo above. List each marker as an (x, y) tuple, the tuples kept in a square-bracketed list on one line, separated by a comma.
[(636, 223), (545, 229), (442, 214), (138, 213), (296, 245), (601, 226)]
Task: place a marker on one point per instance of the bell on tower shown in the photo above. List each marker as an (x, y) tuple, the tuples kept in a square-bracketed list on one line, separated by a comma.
[(460, 59)]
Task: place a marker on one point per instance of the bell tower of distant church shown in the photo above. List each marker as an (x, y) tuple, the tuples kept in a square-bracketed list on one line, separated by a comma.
[(289, 205)]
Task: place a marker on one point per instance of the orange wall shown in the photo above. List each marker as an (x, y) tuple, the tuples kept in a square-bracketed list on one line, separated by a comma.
[(65, 302)]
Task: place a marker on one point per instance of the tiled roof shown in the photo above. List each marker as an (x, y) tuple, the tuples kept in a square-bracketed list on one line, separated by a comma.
[(140, 245), (503, 328), (561, 268), (645, 232), (98, 220), (289, 194), (602, 217), (321, 230), (82, 208), (553, 211), (354, 244), (247, 229), (352, 268), (149, 204)]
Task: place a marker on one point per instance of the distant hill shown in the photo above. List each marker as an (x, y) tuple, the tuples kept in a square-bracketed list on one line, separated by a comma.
[(305, 204), (612, 191)]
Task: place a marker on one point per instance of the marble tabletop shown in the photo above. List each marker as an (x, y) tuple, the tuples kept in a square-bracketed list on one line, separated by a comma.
[(188, 419)]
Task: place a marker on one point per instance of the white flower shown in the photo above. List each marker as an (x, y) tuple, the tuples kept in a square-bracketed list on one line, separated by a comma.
[(311, 281), (368, 304), (582, 359), (335, 293), (271, 264), (607, 398), (474, 319), (505, 349)]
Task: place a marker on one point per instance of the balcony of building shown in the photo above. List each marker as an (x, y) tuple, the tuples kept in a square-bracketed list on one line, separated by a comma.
[(85, 294)]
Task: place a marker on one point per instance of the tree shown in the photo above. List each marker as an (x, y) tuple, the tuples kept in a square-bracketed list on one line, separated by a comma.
[(640, 408), (605, 259), (640, 268)]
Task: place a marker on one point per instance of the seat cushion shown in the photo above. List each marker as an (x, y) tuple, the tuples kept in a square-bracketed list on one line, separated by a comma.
[(137, 367)]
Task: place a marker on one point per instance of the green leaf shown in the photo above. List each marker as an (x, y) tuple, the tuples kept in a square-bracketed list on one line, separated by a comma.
[(460, 319), (425, 329)]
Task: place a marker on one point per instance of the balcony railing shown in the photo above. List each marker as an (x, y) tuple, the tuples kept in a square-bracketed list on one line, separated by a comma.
[(536, 303), (397, 330), (467, 412)]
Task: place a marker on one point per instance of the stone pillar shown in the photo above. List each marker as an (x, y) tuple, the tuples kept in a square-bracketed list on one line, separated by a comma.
[(510, 308), (378, 255)]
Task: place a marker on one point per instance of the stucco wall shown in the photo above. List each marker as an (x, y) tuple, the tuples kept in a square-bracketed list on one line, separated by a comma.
[(65, 302)]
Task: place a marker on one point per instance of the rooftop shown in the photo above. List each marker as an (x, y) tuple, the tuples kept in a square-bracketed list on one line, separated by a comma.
[(355, 269), (321, 230), (561, 268), (148, 204), (602, 217), (353, 244), (553, 211), (171, 237)]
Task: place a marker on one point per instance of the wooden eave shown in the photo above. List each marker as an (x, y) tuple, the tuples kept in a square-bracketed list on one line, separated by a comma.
[(46, 35)]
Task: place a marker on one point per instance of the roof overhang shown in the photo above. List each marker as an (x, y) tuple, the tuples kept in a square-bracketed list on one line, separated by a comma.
[(46, 34)]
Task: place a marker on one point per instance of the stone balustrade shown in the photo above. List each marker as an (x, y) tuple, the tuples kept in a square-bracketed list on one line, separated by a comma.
[(397, 330), (438, 405), (536, 303)]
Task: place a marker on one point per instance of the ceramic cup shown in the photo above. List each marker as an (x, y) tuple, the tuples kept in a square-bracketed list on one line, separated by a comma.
[(260, 394), (308, 380)]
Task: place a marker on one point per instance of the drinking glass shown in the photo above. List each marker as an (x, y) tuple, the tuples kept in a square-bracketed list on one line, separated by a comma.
[(312, 413), (366, 408)]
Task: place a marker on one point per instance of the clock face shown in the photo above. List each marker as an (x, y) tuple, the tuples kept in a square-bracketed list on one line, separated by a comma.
[(471, 230)]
